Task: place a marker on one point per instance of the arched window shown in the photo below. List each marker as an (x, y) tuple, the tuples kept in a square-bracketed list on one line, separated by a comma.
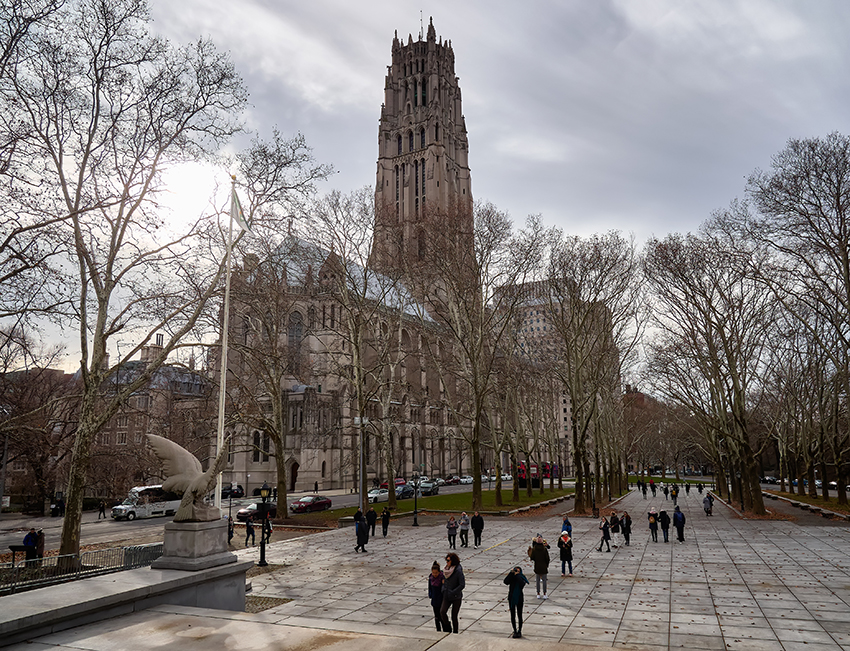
[(296, 330), (424, 93), (415, 93), (416, 178), (422, 168), (324, 466), (396, 180), (422, 137), (399, 143), (437, 132), (410, 141)]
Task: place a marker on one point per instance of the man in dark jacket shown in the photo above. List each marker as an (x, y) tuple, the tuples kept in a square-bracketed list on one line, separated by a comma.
[(362, 530), (453, 587), (31, 544), (516, 581), (385, 520), (539, 554), (371, 519), (477, 524), (679, 523), (664, 521)]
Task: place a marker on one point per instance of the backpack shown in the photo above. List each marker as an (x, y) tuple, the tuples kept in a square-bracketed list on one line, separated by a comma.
[(651, 519)]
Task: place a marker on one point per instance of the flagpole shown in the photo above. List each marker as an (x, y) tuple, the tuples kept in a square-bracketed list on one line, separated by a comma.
[(222, 391)]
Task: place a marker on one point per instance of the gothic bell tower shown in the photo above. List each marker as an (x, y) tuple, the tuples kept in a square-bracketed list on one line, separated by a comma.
[(423, 168)]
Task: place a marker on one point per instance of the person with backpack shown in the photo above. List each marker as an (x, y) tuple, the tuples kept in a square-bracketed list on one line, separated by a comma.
[(653, 524), (539, 555), (664, 521), (674, 493), (679, 523)]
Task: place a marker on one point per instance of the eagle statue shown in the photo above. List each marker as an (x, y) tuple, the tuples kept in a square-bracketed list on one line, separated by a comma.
[(185, 476)]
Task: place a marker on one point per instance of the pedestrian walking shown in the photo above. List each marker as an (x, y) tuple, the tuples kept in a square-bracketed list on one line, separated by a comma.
[(679, 523), (565, 545), (666, 493), (477, 524), (652, 488), (674, 494), (358, 515), (653, 524), (435, 593), (249, 532), (664, 522), (699, 488), (316, 489), (464, 529), (643, 490), (614, 523), (516, 581), (371, 519), (451, 528), (538, 552), (230, 531), (385, 520), (567, 526), (452, 592), (267, 529), (707, 504), (626, 526), (101, 510), (362, 532), (687, 488), (605, 528)]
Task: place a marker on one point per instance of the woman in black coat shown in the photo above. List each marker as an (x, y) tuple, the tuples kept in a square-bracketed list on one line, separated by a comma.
[(605, 528), (362, 534), (452, 592), (385, 520), (565, 544), (626, 526)]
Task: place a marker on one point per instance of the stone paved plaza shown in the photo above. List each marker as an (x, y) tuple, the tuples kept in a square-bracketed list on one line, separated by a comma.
[(734, 584)]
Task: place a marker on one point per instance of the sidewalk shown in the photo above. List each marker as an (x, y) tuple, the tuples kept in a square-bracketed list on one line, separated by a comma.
[(734, 584)]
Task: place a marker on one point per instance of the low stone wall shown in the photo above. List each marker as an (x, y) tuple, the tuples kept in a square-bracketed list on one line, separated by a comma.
[(59, 607)]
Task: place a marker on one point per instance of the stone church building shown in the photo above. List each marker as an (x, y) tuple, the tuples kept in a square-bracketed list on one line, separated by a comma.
[(422, 169)]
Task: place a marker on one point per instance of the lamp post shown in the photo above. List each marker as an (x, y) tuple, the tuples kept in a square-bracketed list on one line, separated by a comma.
[(415, 498), (264, 493), (740, 489)]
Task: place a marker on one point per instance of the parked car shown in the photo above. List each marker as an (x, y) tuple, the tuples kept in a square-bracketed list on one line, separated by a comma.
[(399, 481), (232, 492), (466, 479), (378, 495), (453, 480), (251, 511), (423, 478), (769, 480), (428, 488), (833, 485), (507, 477), (310, 503), (440, 481), (404, 492)]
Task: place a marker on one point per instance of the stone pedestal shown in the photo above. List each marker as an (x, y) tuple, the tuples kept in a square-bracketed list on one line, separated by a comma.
[(194, 546)]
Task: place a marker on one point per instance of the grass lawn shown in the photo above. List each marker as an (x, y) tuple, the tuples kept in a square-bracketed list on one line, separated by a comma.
[(831, 505), (461, 502)]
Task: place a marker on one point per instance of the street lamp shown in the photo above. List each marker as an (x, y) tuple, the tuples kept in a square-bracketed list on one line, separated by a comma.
[(740, 489), (264, 508), (415, 497)]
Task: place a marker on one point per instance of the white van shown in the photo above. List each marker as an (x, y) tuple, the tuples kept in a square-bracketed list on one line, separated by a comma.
[(146, 502)]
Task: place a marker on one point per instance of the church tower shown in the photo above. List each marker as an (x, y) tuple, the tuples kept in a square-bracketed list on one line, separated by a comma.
[(423, 167)]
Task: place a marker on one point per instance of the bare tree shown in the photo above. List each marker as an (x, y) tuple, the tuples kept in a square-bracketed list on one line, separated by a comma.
[(714, 321), (802, 214), (106, 108), (596, 306), (473, 284)]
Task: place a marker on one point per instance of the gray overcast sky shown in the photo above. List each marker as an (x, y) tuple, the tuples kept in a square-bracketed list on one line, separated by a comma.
[(642, 116)]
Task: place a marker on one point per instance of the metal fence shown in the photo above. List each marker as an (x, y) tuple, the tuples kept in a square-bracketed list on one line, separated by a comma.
[(28, 575)]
